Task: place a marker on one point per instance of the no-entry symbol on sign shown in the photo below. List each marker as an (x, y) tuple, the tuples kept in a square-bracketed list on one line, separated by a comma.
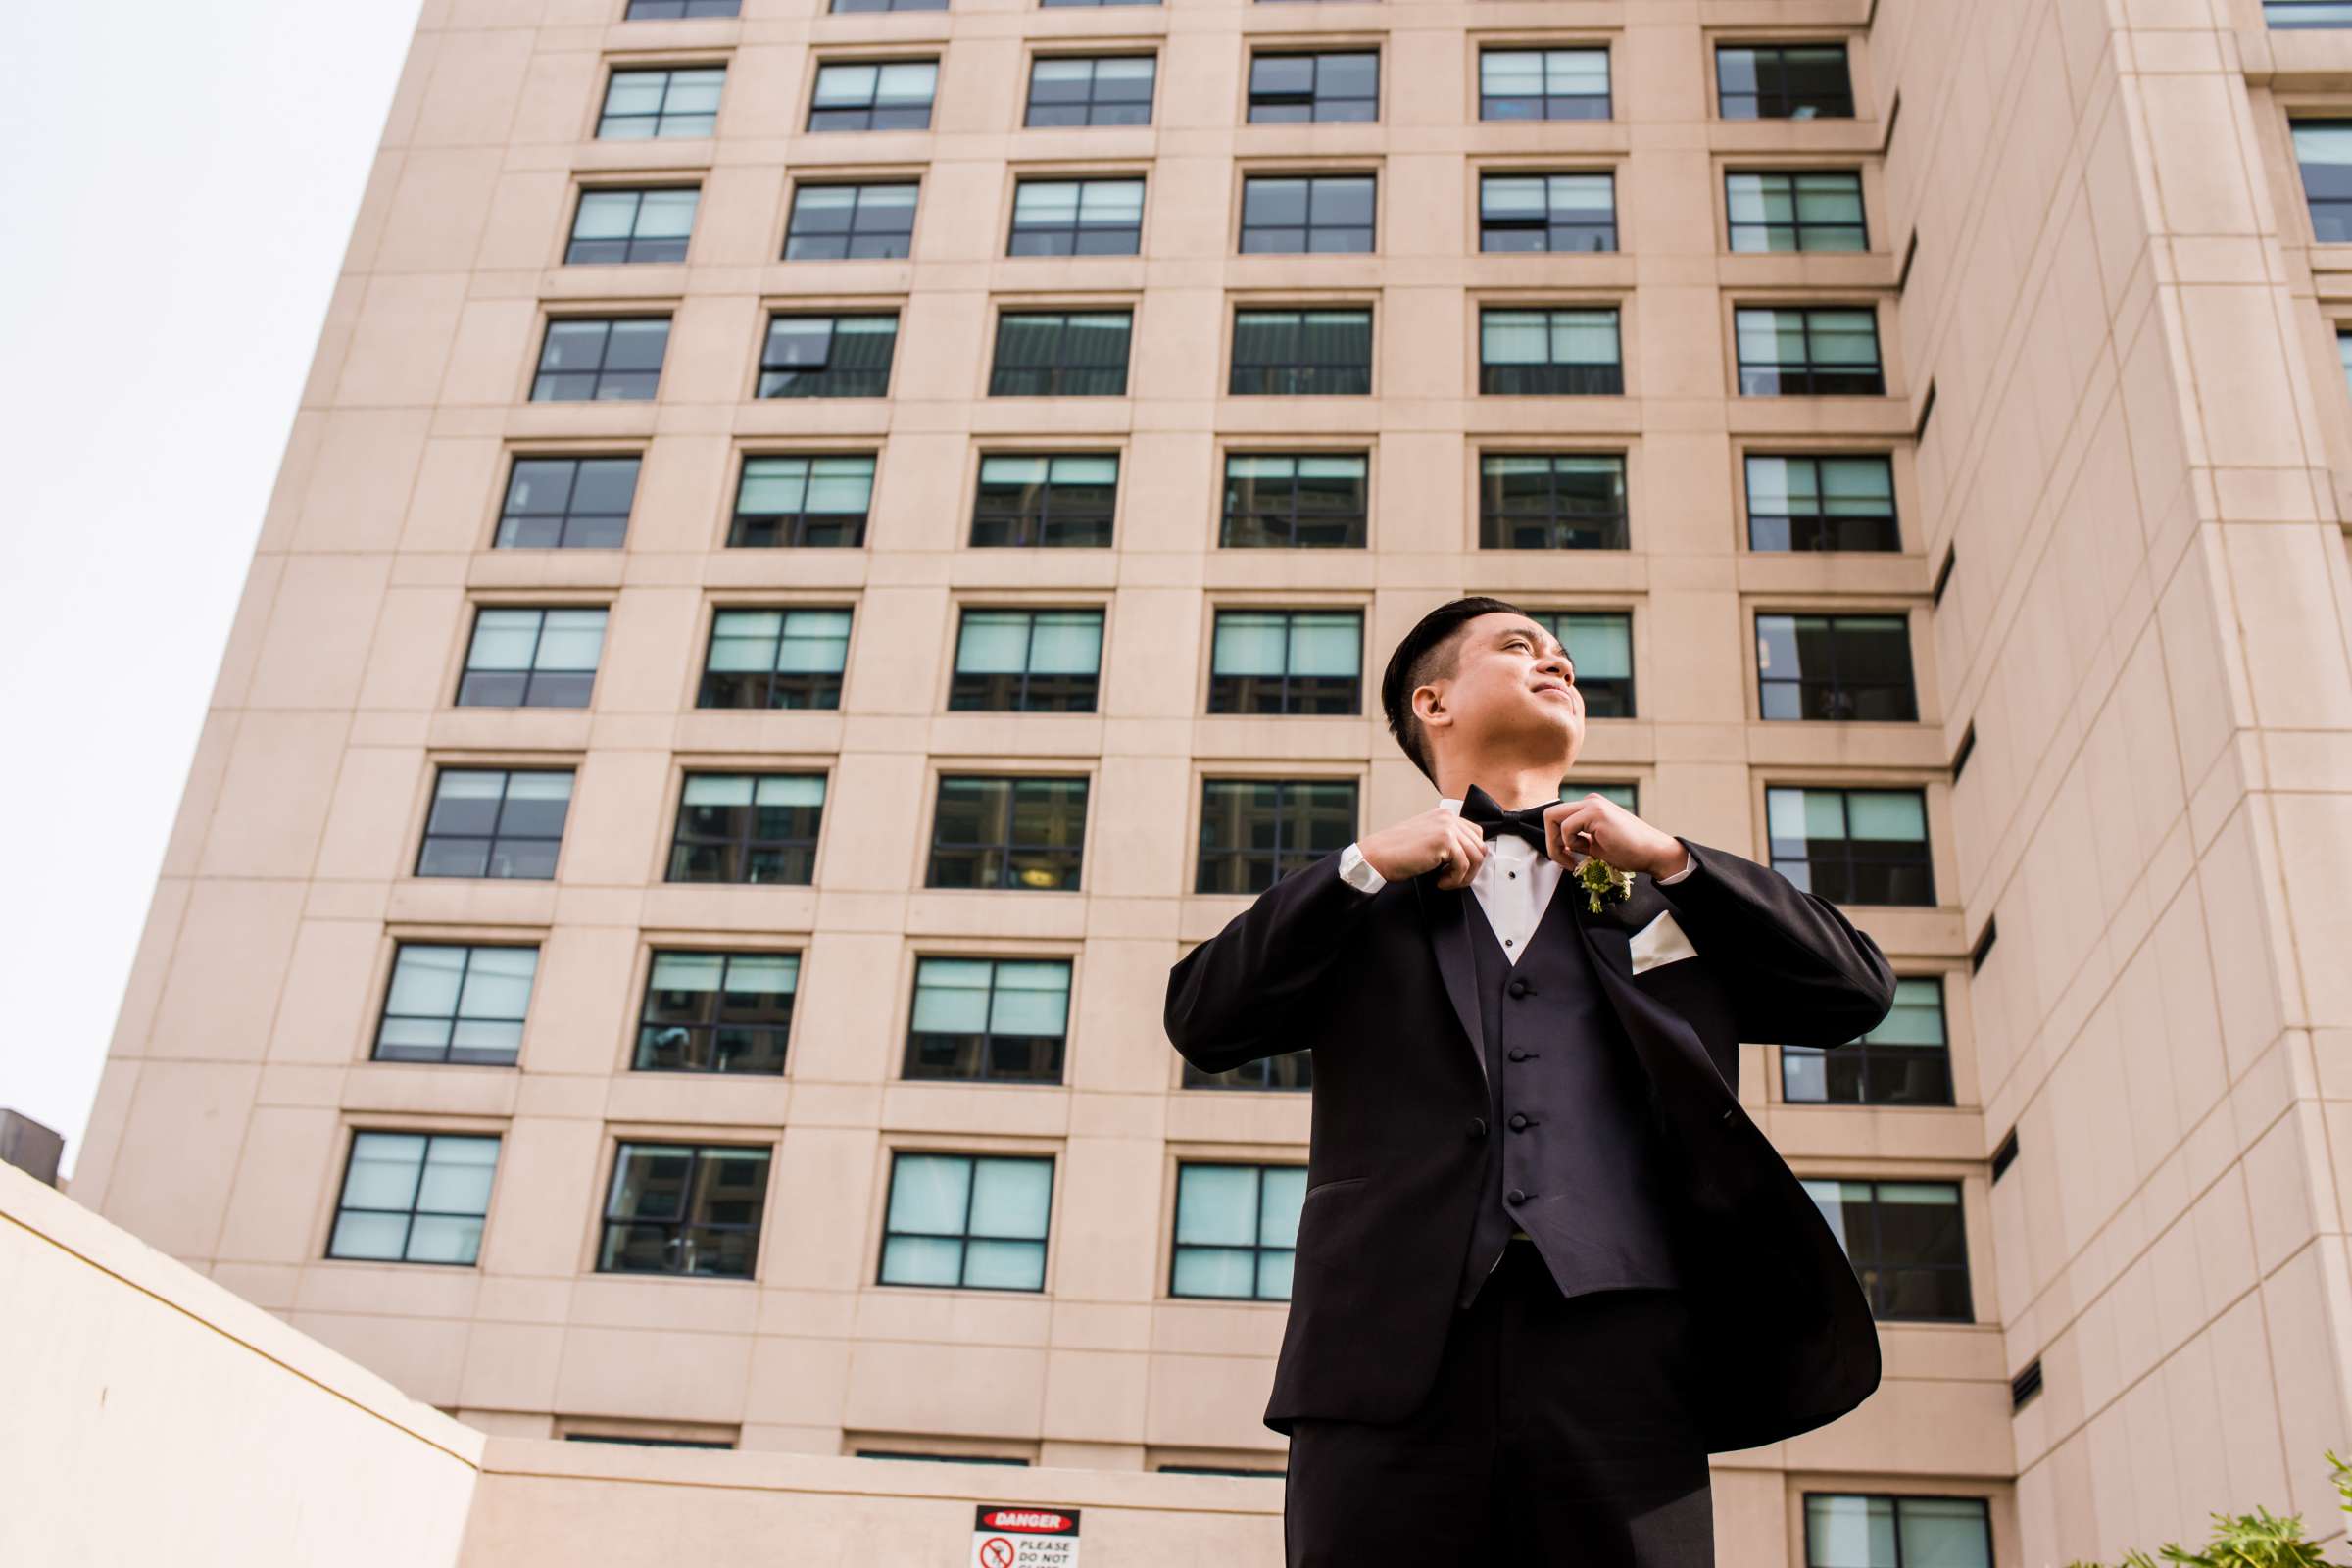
[(1021, 1536)]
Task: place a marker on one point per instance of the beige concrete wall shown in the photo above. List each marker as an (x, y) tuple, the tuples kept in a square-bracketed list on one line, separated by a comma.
[(2137, 452), (154, 1417)]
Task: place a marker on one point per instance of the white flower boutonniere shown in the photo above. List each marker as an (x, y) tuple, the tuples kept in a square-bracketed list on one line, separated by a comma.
[(1601, 880)]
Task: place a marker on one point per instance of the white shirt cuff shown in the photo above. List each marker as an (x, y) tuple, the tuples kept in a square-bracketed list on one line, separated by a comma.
[(1357, 872), (1690, 865)]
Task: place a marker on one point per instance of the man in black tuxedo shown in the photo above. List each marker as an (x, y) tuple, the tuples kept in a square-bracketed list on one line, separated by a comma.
[(1546, 1265)]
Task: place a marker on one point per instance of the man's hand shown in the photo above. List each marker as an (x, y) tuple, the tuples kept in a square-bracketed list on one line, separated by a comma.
[(1598, 825), (1437, 837)]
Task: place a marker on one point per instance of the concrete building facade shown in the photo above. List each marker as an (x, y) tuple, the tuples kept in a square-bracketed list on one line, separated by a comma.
[(665, 930)]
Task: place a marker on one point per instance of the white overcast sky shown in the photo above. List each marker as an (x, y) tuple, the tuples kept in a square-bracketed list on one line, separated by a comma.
[(177, 181)]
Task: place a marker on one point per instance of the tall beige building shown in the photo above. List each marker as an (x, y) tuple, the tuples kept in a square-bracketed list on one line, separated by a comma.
[(820, 549)]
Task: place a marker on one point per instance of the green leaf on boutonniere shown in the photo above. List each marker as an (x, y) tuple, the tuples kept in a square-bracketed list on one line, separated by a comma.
[(1601, 880)]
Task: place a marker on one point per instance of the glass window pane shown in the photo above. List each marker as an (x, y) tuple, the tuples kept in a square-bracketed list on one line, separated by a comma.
[(1010, 1197), (385, 1168), (1031, 998), (1217, 1204), (928, 1193), (1896, 814), (950, 996)]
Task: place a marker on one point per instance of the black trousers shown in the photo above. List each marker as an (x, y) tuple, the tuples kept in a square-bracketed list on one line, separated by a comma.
[(1558, 1430)]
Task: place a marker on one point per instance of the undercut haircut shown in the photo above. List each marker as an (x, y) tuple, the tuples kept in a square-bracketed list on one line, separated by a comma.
[(1429, 652)]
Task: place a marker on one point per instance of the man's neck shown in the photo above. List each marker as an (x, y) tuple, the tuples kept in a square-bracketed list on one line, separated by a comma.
[(1512, 785)]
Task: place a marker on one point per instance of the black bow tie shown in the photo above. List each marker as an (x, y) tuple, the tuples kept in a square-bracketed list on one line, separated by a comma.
[(1527, 823)]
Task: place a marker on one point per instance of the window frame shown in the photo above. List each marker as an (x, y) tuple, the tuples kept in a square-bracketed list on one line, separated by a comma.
[(600, 113), (710, 1028), (1551, 306), (1794, 171), (873, 105), (502, 500), (1800, 379), (1077, 230), (1218, 608), (861, 184), (1056, 1055), (1833, 683), (1490, 526), (1007, 852), (1844, 43), (402, 946), (1057, 370), (794, 530), (1284, 820), (1821, 521), (1359, 522), (1312, 176), (786, 607), (739, 849), (537, 370), (1060, 53), (432, 1136), (1864, 1056), (834, 317), (589, 190), (1298, 378), (995, 605), (1318, 50), (1898, 1498), (542, 606), (1547, 172), (442, 766), (1035, 527), (964, 1238), (1768, 781), (1542, 46), (1257, 1249), (1877, 1290), (699, 1150)]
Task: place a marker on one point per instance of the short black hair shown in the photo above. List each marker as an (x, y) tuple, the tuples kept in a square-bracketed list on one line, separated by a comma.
[(1427, 654)]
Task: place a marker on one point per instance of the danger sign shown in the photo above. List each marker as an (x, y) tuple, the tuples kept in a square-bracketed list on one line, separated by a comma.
[(1005, 1536)]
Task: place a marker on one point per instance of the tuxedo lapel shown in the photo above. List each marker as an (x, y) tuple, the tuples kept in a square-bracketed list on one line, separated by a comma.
[(1446, 916)]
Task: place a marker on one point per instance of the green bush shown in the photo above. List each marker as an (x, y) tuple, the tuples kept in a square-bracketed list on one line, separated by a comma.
[(2257, 1540)]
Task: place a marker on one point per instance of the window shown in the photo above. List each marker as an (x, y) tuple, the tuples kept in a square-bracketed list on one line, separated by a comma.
[(775, 659), (1098, 1), (2343, 355), (803, 501), (455, 1005), (1808, 503), (1099, 90), (1544, 85), (413, 1197), (1007, 833), (1287, 88), (1549, 351), (1822, 351), (1294, 214), (1077, 218), (716, 1013), (2284, 14), (1548, 213), (976, 1221), (2323, 150), (1810, 209), (854, 222), (601, 358), (1783, 82), (1027, 661), (658, 10), (1601, 648), (1053, 502), (1060, 353), (1286, 661), (882, 95), (1236, 1228), (1906, 1241), (531, 657), (1854, 668), (632, 226), (829, 356), (747, 827), (1256, 831), (684, 1209), (1852, 846), (1906, 1061), (496, 822), (840, 6), (1627, 796), (1002, 1019), (1855, 1530), (1552, 501), (1314, 499), (1287, 1069), (568, 504), (640, 104), (1302, 352)]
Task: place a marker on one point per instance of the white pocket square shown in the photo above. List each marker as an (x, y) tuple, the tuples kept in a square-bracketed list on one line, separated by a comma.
[(1661, 942)]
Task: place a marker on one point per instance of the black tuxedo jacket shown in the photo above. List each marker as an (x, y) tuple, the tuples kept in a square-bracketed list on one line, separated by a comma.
[(1380, 987)]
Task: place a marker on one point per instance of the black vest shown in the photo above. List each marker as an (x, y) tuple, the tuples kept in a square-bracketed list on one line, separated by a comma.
[(1568, 1127)]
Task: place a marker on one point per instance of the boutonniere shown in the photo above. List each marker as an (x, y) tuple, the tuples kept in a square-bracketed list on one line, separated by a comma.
[(1601, 880)]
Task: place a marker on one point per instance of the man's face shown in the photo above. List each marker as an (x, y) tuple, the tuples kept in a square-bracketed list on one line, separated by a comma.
[(1512, 691)]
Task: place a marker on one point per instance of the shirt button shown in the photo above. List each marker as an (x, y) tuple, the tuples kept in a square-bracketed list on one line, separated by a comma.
[(1518, 1123), (1514, 877), (1515, 1196), (1507, 942), (1477, 1127)]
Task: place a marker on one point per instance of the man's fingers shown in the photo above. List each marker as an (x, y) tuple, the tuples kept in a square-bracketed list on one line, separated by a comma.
[(1560, 829)]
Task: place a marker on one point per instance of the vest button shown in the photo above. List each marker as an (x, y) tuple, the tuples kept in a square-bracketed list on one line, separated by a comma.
[(1517, 1054), (1516, 1194), (1518, 1123), (1518, 988), (1477, 1127)]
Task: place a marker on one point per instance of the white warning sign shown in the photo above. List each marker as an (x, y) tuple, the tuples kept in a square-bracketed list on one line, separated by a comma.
[(1019, 1537)]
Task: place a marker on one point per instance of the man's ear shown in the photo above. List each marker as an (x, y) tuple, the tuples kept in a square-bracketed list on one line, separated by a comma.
[(1428, 706)]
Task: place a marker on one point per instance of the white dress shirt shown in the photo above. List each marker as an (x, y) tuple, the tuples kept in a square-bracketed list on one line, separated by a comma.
[(1514, 883)]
